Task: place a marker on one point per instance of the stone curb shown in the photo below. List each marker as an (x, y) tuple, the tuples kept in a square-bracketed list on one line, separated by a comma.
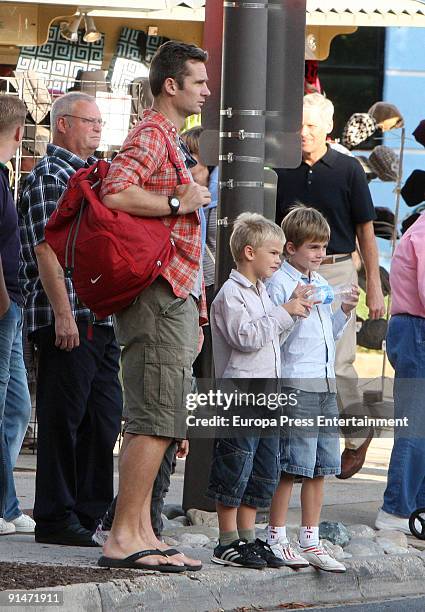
[(366, 579)]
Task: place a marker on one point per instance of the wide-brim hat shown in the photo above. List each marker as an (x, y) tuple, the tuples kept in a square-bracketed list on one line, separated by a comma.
[(384, 112), (358, 129), (34, 93), (91, 81), (413, 190), (385, 162), (383, 225)]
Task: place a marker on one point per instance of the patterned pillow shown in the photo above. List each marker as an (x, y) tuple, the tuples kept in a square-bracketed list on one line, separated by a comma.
[(59, 60)]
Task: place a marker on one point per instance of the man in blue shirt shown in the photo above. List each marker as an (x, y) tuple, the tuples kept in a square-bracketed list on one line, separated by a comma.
[(15, 403)]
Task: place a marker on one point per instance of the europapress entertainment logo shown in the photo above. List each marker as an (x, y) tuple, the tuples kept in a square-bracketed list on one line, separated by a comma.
[(266, 411)]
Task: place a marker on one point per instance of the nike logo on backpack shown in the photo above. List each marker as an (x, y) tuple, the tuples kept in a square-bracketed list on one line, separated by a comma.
[(94, 280)]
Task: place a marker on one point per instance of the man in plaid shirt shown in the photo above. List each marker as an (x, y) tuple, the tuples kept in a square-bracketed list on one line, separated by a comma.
[(79, 398), (160, 330)]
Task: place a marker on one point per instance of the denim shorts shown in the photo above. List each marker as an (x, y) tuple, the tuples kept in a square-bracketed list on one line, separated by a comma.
[(244, 471), (307, 449)]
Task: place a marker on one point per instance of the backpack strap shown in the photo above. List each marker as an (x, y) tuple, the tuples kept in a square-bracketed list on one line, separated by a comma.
[(172, 154), (171, 147)]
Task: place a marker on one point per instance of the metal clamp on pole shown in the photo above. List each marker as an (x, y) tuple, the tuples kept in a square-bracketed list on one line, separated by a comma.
[(231, 157), (231, 184), (230, 112), (242, 135), (247, 5)]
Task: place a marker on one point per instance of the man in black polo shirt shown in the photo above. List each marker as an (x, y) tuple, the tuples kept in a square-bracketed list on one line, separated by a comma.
[(336, 185)]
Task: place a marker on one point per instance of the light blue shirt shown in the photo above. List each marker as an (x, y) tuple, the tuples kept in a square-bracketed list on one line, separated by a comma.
[(308, 353)]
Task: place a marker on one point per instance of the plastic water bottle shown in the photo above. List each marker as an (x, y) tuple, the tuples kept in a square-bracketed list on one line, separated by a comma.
[(326, 294)]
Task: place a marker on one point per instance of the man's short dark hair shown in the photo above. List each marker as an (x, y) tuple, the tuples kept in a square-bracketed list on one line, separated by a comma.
[(170, 62), (12, 112)]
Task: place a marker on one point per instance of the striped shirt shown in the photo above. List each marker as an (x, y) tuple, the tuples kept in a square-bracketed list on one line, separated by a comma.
[(40, 194)]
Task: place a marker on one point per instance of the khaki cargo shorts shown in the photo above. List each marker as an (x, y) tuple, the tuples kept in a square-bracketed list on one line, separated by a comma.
[(159, 333)]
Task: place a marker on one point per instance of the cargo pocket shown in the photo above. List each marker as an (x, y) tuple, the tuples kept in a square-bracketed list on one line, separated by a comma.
[(168, 376), (152, 378)]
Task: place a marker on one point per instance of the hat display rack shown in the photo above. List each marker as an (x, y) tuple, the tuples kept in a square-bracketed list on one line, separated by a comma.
[(383, 163)]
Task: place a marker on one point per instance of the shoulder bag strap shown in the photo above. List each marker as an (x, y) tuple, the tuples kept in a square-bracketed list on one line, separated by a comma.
[(172, 154)]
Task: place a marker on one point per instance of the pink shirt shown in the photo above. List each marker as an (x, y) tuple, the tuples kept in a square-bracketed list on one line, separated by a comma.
[(407, 276)]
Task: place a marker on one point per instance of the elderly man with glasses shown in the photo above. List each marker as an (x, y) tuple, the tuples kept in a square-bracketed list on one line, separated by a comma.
[(79, 399)]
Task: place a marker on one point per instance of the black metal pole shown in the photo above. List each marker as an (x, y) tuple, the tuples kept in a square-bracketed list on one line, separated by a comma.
[(242, 120)]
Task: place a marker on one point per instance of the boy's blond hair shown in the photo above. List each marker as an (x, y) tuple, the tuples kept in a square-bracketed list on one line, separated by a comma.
[(252, 229), (305, 224)]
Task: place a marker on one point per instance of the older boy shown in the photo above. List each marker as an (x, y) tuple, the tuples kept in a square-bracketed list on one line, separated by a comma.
[(308, 368), (245, 330)]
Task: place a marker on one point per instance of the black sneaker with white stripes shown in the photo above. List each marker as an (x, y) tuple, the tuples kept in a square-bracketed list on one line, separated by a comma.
[(263, 550), (238, 554)]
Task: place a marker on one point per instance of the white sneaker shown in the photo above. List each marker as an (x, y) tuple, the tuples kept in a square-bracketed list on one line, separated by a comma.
[(283, 550), (320, 558), (6, 528), (100, 536), (393, 522), (24, 524)]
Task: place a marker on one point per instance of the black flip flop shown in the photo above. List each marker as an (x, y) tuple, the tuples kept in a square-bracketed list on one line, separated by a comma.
[(130, 562), (170, 552)]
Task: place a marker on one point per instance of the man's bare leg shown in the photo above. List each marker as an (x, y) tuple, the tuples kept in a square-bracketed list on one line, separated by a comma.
[(180, 557), (132, 528)]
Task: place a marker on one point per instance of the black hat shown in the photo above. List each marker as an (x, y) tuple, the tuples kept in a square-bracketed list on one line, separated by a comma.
[(372, 333), (413, 190), (412, 217), (419, 133), (383, 226)]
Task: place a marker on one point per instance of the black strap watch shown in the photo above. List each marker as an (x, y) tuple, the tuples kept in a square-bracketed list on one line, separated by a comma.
[(174, 204)]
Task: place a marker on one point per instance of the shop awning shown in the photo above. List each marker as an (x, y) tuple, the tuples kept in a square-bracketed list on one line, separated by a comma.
[(366, 13), (319, 12)]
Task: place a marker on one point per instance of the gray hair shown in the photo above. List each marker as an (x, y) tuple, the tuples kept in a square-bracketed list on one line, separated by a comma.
[(64, 105), (323, 105)]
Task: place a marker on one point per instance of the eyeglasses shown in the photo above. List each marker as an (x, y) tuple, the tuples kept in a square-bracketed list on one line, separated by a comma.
[(99, 122)]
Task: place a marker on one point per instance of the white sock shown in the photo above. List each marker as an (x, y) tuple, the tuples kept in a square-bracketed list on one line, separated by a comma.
[(276, 534), (309, 536)]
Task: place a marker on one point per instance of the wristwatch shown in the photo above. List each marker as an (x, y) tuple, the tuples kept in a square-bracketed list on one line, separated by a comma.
[(174, 204)]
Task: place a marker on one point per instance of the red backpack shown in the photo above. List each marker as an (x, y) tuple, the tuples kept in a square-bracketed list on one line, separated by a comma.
[(110, 255)]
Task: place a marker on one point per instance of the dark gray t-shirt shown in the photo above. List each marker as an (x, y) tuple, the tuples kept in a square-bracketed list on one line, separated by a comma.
[(9, 238)]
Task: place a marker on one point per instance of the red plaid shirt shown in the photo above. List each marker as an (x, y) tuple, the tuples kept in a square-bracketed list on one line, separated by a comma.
[(143, 160)]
